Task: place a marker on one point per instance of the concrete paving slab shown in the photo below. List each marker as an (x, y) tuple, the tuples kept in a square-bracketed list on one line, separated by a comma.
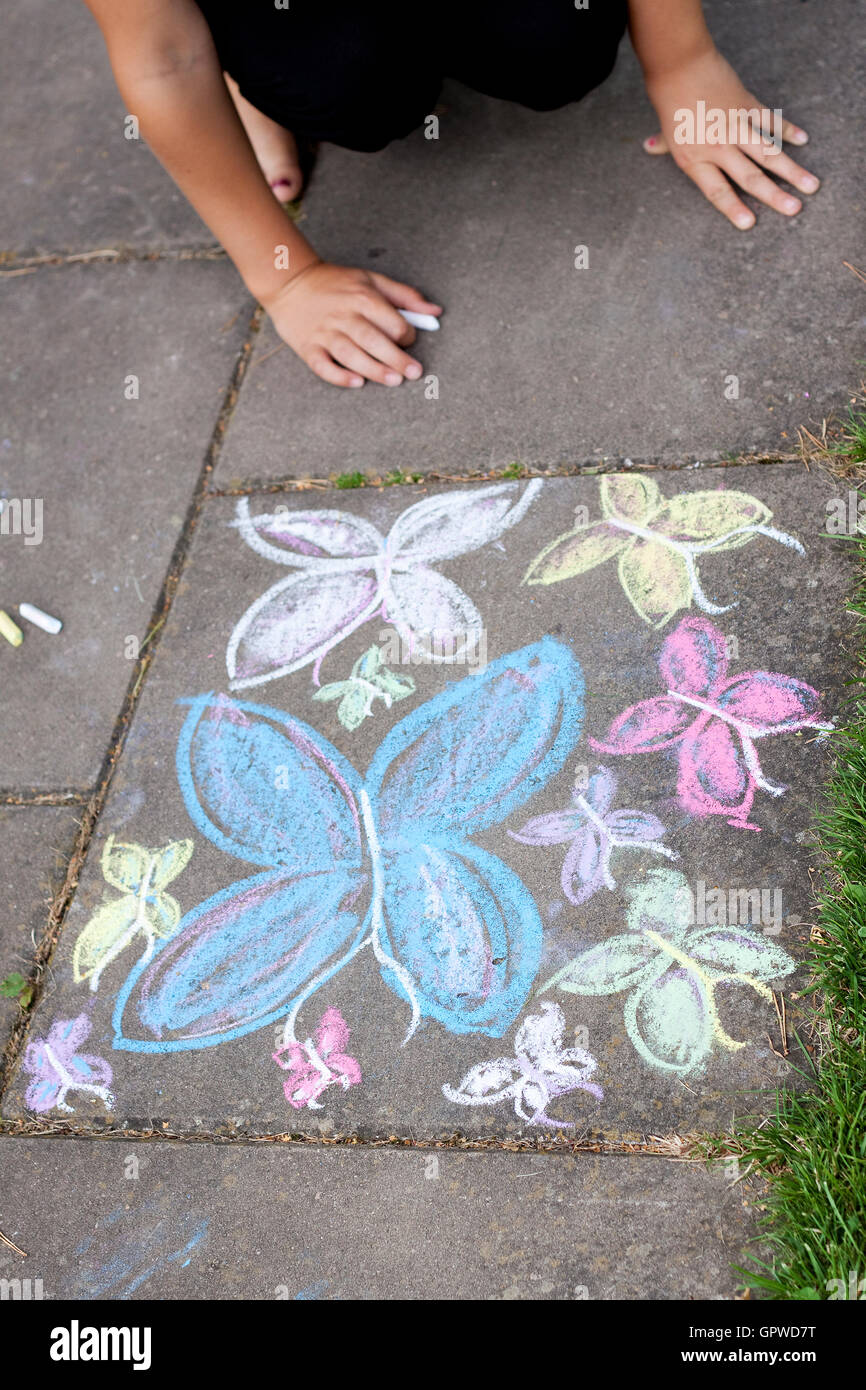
[(681, 338), (37, 842), (73, 181), (164, 1221), (96, 485), (480, 920)]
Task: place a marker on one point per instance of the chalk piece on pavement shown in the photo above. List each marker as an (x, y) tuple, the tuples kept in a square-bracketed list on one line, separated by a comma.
[(43, 620), (10, 630), (425, 321)]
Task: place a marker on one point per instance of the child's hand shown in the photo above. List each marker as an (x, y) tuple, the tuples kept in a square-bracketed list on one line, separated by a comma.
[(744, 158), (344, 324)]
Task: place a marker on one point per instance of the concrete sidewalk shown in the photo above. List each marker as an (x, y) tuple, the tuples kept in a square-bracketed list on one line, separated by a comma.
[(319, 884)]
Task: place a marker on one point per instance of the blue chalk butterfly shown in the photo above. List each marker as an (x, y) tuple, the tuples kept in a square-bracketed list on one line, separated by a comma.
[(383, 861)]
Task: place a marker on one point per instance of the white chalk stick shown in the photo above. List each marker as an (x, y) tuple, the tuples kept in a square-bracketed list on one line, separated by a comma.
[(425, 321), (40, 619)]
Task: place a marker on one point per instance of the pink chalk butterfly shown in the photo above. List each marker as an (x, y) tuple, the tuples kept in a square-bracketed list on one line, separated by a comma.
[(314, 1065), (713, 720)]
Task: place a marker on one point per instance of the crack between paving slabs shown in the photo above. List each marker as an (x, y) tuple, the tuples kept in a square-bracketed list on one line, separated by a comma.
[(92, 806)]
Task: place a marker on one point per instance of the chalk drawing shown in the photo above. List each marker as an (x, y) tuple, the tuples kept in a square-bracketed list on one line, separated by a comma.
[(370, 680), (658, 542), (349, 573), (315, 1065), (143, 910), (57, 1067), (714, 720), (131, 1246), (541, 1070), (593, 831), (671, 970), (385, 861)]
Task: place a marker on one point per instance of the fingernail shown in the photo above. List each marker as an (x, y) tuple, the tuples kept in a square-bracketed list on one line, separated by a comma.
[(650, 142), (392, 379), (745, 219), (413, 371), (357, 381), (810, 183), (791, 204), (799, 137)]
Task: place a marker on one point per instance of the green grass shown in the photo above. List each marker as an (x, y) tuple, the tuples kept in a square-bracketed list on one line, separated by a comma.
[(852, 441), (398, 477), (513, 470), (813, 1149), (345, 480)]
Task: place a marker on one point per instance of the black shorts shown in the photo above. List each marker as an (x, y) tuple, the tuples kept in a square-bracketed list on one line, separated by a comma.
[(362, 74)]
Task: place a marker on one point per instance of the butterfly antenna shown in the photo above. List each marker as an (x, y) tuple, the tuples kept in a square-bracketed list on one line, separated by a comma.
[(698, 594)]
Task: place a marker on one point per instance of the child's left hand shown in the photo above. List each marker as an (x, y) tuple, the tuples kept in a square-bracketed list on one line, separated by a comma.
[(742, 158)]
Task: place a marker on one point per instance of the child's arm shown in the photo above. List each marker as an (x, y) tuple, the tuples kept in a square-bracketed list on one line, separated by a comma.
[(342, 322), (682, 66)]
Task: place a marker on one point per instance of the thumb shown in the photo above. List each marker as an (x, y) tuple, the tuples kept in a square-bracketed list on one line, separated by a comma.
[(656, 144)]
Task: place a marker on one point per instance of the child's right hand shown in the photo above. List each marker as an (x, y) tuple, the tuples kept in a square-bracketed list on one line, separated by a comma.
[(344, 324)]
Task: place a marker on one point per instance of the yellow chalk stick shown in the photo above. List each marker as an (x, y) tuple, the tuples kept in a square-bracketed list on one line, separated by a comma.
[(11, 631)]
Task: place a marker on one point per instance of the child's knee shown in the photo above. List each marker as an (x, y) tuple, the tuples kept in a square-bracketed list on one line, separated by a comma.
[(551, 54)]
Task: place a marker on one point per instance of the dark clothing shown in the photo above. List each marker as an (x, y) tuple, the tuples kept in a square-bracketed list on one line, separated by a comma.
[(360, 75)]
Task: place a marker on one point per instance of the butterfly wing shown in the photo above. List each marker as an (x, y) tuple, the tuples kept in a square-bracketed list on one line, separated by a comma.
[(693, 659), (575, 552), (456, 921), (738, 951), (632, 497), (108, 931), (170, 861), (432, 614), (765, 700), (713, 778), (465, 930), (655, 580), (297, 621), (621, 962), (669, 1021), (240, 959), (473, 754), (712, 518), (646, 727), (585, 868), (439, 528), (268, 788), (124, 865), (321, 539)]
